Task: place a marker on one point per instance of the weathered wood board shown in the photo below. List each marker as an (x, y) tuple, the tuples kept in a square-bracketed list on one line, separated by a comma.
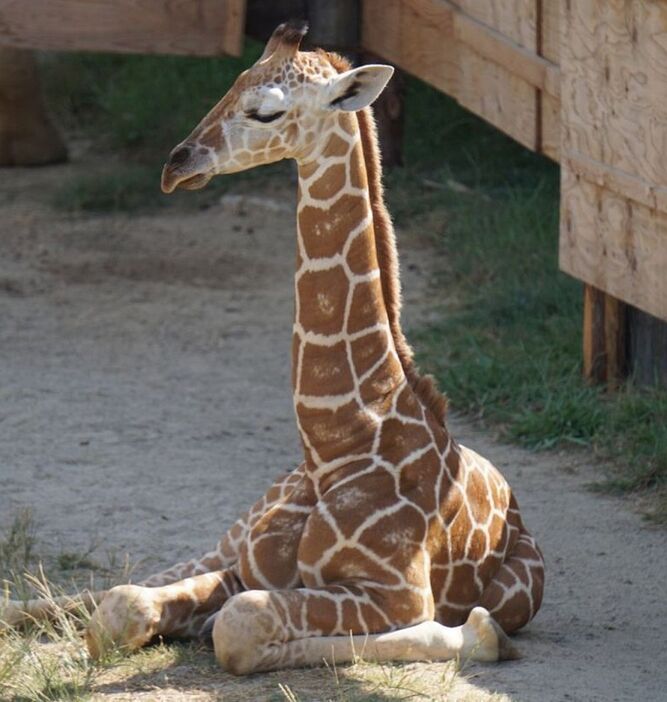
[(515, 19), (484, 53), (549, 41), (614, 149), (195, 27), (416, 35)]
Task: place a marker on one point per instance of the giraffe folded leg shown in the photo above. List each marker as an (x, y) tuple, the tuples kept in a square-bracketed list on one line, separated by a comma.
[(15, 613), (130, 616), (515, 593), (260, 630)]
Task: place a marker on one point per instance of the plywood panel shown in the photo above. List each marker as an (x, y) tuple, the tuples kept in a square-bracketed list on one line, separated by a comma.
[(198, 27), (417, 35), (550, 11), (492, 92), (550, 104), (615, 78), (488, 73), (614, 142), (551, 125), (613, 243), (516, 19)]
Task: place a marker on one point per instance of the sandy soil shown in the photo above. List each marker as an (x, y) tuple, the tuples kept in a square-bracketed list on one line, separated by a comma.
[(145, 400)]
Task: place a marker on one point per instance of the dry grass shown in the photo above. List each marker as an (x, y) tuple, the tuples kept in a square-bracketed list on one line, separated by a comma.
[(48, 661)]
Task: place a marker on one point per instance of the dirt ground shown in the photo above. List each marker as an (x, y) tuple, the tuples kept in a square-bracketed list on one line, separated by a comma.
[(145, 401)]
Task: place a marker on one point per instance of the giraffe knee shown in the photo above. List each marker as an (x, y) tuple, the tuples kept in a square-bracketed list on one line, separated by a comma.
[(241, 630)]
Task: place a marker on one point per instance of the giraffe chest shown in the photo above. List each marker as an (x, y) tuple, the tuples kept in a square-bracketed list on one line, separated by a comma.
[(268, 556)]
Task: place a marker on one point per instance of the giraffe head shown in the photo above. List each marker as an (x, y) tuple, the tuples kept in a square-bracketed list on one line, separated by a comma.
[(275, 110)]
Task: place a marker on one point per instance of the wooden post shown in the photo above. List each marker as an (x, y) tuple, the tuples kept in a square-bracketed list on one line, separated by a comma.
[(647, 348), (27, 135), (334, 25), (263, 16), (604, 338)]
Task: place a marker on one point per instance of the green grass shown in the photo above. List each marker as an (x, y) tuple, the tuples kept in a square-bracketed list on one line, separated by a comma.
[(507, 347)]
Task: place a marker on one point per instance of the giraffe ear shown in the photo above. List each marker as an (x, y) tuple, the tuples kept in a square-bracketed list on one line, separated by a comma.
[(357, 88)]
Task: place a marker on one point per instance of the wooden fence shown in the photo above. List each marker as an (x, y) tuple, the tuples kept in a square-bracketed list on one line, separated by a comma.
[(194, 27), (582, 81)]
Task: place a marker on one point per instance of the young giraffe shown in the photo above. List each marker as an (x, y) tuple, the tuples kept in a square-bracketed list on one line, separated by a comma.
[(389, 531)]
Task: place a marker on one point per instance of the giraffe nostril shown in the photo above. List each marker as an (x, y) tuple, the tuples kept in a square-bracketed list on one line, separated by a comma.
[(180, 156)]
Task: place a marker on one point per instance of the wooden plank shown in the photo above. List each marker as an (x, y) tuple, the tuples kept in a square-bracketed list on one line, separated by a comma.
[(551, 125), (647, 348), (614, 141), (612, 243), (550, 38), (518, 61), (333, 25), (483, 69), (27, 135), (263, 16), (417, 35), (492, 92), (615, 73), (615, 340), (197, 27), (604, 338), (593, 335), (629, 186), (515, 19)]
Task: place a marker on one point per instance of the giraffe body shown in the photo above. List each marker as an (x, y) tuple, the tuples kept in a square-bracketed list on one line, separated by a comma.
[(389, 530)]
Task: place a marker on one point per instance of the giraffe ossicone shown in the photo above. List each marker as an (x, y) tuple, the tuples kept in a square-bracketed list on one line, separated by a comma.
[(390, 537)]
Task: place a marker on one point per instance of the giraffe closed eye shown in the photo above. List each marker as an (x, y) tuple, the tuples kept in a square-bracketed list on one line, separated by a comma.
[(253, 114)]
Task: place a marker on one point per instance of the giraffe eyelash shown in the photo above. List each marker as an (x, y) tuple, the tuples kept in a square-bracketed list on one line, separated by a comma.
[(253, 114)]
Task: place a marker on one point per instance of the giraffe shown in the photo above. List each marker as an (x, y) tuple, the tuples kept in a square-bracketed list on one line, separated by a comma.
[(390, 537)]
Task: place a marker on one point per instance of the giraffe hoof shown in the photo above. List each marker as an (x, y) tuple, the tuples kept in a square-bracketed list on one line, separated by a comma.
[(126, 619), (489, 641)]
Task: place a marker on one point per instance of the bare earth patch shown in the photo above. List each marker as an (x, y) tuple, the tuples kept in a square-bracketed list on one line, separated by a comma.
[(145, 400)]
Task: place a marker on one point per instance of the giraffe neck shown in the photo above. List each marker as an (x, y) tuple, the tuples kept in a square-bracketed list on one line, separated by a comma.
[(345, 369)]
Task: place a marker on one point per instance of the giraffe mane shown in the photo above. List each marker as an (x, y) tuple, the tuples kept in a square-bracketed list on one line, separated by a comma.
[(424, 386)]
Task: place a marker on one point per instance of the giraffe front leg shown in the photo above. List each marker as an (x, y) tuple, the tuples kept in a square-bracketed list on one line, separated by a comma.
[(19, 614), (130, 616), (261, 630)]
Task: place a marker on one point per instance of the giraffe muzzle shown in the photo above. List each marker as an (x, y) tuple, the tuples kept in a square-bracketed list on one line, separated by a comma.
[(184, 170), (171, 181)]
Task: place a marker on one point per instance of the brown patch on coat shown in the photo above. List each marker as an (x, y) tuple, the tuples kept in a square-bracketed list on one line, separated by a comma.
[(368, 350), (398, 440), (349, 504), (317, 314), (339, 432), (418, 480), (325, 370), (321, 240), (377, 390), (329, 183), (463, 589), (366, 308), (362, 258)]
